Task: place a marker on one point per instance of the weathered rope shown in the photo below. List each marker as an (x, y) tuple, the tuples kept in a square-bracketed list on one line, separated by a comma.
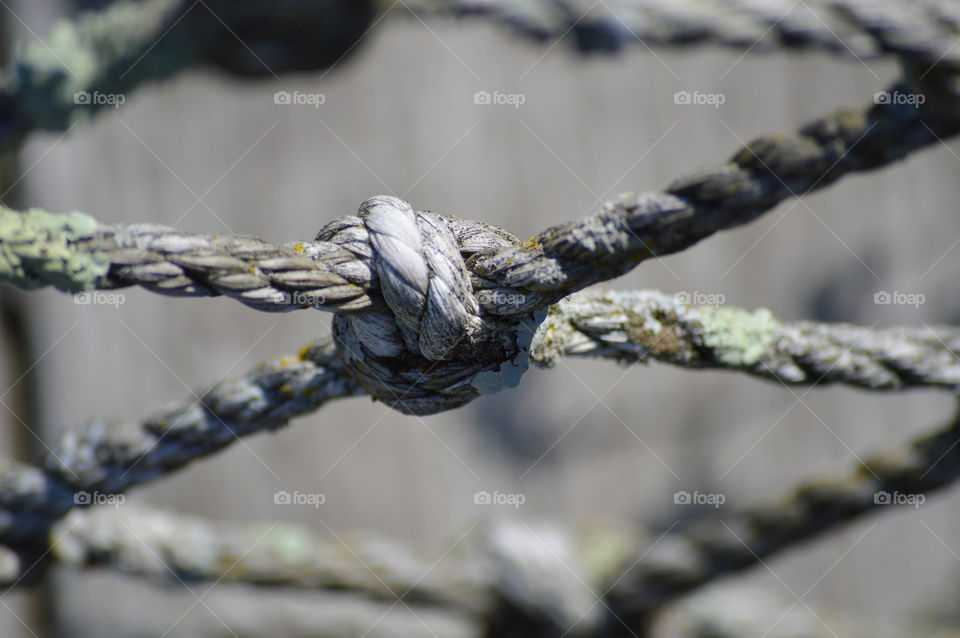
[(509, 573), (649, 325), (92, 63), (627, 326), (922, 30), (433, 311), (523, 566), (281, 554), (697, 553), (32, 499), (103, 56), (338, 271)]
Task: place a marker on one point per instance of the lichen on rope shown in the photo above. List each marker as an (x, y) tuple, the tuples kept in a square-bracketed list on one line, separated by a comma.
[(644, 325)]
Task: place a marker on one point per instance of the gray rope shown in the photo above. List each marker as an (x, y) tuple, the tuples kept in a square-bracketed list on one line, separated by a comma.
[(644, 325), (32, 499), (102, 56), (194, 549), (433, 311), (95, 61), (339, 271), (923, 30), (695, 554), (509, 574), (626, 326), (526, 564)]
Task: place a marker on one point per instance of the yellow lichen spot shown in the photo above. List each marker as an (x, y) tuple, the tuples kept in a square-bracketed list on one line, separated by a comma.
[(289, 361), (302, 352), (285, 388), (298, 248)]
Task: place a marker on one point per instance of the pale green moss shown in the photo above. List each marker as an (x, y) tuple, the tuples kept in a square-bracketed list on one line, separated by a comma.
[(738, 337), (37, 249)]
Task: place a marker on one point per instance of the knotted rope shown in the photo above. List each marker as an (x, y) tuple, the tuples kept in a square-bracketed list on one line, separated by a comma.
[(435, 349), (433, 310)]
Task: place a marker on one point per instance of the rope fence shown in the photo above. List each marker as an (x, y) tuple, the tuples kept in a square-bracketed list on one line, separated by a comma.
[(431, 311)]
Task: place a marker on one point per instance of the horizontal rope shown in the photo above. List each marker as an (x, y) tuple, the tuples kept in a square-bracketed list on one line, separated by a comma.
[(194, 549), (93, 63), (337, 272), (924, 30), (433, 310), (641, 326)]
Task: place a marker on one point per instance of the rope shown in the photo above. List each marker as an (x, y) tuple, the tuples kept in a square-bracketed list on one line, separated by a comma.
[(922, 30), (339, 271), (93, 63), (32, 499), (639, 326), (629, 326), (508, 573), (432, 310), (697, 553), (275, 555)]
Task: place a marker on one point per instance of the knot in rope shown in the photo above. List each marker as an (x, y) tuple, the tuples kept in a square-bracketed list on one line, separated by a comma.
[(430, 346)]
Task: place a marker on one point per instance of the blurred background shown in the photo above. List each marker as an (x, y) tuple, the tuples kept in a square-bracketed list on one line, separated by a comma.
[(588, 444)]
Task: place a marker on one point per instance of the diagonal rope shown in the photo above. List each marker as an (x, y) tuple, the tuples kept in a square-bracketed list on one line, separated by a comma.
[(692, 555)]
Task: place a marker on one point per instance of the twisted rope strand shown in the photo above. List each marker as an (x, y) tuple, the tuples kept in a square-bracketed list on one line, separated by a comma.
[(709, 548), (94, 62), (921, 30), (32, 499), (644, 325), (276, 555)]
